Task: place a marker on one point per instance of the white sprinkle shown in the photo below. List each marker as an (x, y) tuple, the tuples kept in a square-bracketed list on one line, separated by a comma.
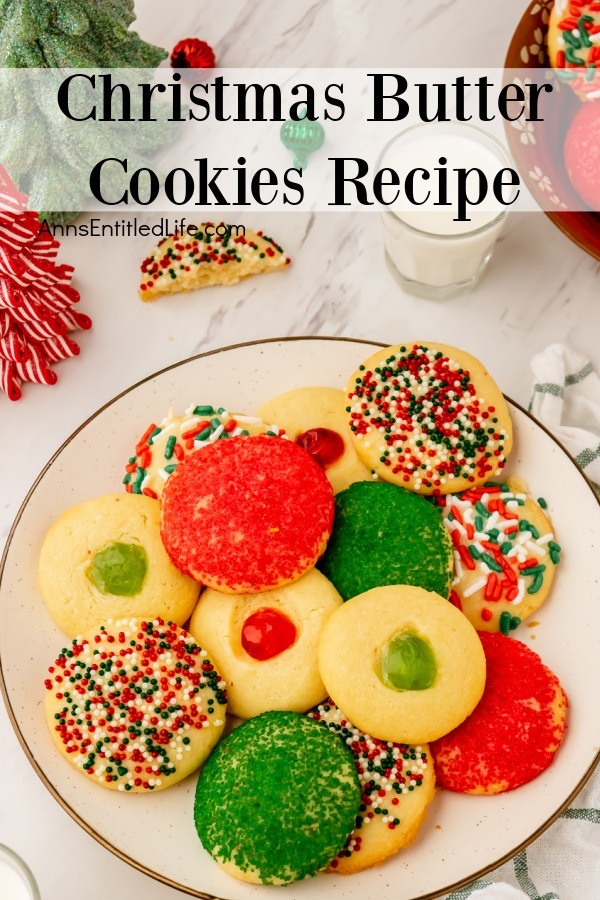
[(190, 423), (476, 586), (159, 437)]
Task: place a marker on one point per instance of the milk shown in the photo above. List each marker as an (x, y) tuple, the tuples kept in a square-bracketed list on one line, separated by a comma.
[(432, 253), (15, 882)]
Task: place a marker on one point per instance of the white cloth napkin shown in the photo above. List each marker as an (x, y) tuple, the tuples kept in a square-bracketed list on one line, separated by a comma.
[(564, 863), (566, 399)]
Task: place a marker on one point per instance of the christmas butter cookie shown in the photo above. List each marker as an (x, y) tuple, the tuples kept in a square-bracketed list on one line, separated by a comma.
[(135, 705), (104, 559), (383, 534), (315, 418), (516, 729), (428, 417), (162, 447), (266, 645), (277, 799), (574, 44), (505, 554), (247, 515), (397, 782), (403, 664), (216, 254)]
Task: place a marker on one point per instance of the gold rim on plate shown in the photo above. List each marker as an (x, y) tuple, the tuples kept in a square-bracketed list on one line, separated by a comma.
[(62, 802)]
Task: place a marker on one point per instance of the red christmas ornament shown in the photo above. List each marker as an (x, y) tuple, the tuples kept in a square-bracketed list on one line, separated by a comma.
[(36, 297), (192, 53)]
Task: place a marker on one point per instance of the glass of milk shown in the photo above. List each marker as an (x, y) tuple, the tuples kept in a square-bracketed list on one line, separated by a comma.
[(429, 252), (16, 880)]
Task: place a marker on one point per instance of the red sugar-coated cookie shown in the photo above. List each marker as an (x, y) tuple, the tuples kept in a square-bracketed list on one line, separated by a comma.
[(582, 154), (514, 731), (247, 514)]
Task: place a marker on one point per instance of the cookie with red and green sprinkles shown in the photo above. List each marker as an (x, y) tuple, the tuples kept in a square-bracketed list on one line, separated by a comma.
[(135, 705), (247, 515), (277, 800), (214, 254), (574, 45), (513, 734), (397, 783), (505, 553), (162, 447), (383, 534), (428, 417)]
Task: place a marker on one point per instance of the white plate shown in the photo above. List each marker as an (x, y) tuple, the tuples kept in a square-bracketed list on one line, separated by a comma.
[(462, 836)]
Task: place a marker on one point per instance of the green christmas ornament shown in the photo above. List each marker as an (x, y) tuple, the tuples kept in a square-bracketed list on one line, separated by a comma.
[(303, 137), (45, 154)]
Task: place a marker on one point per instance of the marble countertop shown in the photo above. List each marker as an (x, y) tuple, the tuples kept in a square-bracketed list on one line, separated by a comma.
[(539, 289)]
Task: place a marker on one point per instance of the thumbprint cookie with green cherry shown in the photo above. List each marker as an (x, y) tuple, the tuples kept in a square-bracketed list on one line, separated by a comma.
[(505, 553), (104, 559), (247, 515), (162, 447), (383, 534), (135, 704), (266, 645), (428, 417), (402, 663), (397, 783), (277, 799), (315, 418)]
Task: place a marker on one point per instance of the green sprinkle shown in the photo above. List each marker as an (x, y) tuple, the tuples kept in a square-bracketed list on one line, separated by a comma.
[(542, 503), (514, 623), (537, 583), (490, 562), (154, 434), (127, 478), (534, 570), (505, 618), (132, 460), (505, 547), (478, 523), (570, 55), (552, 545), (215, 422), (204, 435), (170, 447), (585, 38), (204, 410), (570, 38), (481, 509), (475, 553), (170, 468), (554, 557)]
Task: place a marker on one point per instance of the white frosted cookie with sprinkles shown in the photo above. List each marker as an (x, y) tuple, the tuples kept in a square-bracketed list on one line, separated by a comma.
[(215, 254), (397, 783), (315, 418), (428, 417), (505, 554), (135, 705), (574, 45), (162, 447)]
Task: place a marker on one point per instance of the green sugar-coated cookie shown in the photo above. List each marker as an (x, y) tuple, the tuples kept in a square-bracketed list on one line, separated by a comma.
[(277, 799), (383, 534)]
